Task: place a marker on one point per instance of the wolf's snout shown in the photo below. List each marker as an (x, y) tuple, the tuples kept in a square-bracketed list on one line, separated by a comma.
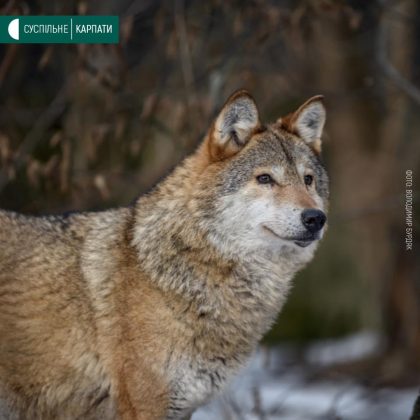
[(313, 220)]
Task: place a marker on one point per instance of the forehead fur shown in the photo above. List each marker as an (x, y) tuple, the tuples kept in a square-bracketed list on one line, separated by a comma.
[(274, 147)]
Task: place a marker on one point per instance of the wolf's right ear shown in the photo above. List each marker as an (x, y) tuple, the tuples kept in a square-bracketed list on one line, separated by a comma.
[(236, 123), (307, 122)]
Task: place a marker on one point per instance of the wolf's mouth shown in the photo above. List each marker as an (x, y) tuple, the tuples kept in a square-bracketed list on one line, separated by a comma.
[(302, 241)]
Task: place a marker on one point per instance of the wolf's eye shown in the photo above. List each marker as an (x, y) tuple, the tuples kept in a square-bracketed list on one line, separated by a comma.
[(308, 179), (265, 179)]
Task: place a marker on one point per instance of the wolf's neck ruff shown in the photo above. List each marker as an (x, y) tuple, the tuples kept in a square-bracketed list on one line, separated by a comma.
[(239, 290)]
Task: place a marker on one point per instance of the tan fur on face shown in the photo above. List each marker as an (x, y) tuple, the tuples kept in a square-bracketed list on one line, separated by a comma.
[(297, 197)]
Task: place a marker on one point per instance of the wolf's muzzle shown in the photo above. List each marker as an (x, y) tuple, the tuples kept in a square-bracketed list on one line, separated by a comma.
[(313, 219)]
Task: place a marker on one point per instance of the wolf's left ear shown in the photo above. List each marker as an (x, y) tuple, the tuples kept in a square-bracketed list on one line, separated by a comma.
[(308, 122), (236, 123)]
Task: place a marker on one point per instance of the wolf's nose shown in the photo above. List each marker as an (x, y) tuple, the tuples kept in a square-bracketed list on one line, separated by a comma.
[(313, 219)]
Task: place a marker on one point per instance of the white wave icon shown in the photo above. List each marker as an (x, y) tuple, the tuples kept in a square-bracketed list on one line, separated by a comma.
[(13, 29)]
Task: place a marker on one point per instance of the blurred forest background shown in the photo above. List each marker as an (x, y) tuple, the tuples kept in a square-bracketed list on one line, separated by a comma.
[(87, 127)]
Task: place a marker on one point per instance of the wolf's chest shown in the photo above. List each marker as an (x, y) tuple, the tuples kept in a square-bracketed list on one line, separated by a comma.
[(193, 383)]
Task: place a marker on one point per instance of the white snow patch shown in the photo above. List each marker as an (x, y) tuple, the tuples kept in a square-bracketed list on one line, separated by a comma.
[(270, 388)]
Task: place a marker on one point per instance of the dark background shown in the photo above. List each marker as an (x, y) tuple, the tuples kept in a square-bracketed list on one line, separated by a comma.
[(87, 127)]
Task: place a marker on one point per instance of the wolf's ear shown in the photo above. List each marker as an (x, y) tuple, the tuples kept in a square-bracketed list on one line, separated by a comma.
[(308, 122), (236, 123)]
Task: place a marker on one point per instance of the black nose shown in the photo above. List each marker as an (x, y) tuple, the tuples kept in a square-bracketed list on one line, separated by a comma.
[(313, 219)]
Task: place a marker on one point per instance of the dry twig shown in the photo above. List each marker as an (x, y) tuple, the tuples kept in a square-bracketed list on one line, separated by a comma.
[(44, 122), (385, 64)]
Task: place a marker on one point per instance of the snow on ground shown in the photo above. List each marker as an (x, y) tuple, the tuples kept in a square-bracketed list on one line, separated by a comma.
[(272, 387)]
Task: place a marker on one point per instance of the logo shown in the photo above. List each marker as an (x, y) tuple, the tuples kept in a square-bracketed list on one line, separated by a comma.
[(59, 29), (13, 29)]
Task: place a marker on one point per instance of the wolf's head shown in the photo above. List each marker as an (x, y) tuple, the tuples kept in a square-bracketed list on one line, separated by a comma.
[(265, 187)]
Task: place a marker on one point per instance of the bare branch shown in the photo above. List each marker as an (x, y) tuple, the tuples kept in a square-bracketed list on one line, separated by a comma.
[(47, 118), (385, 64), (184, 47), (7, 62)]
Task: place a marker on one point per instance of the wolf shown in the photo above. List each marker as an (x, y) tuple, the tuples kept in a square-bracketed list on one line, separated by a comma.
[(146, 312)]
